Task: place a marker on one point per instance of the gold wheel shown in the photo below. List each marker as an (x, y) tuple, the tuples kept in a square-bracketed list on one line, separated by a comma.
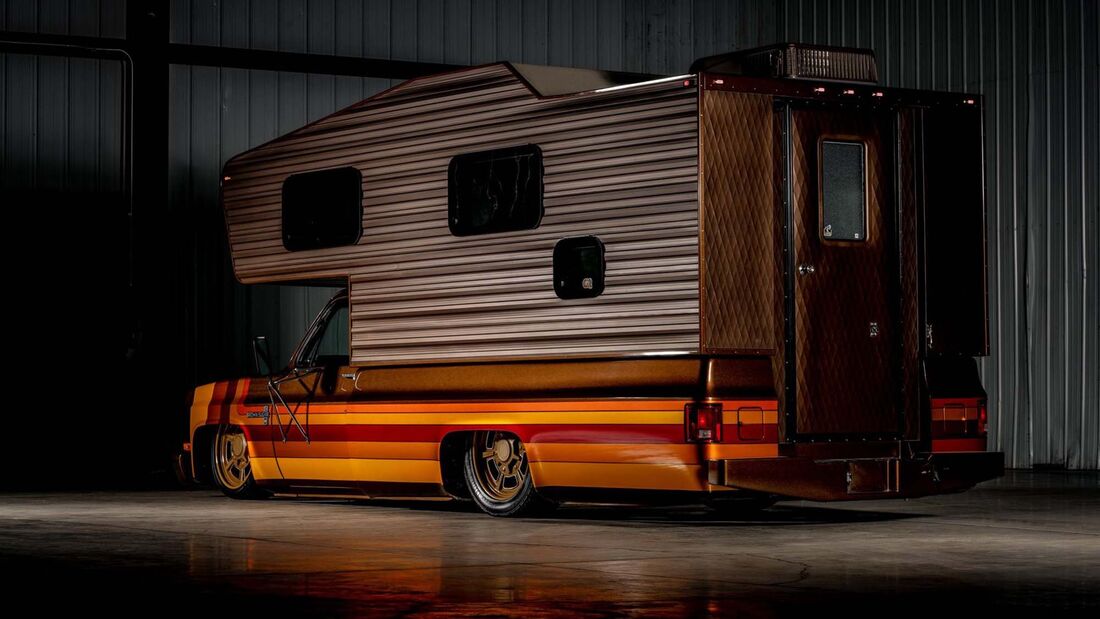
[(500, 465), (231, 464)]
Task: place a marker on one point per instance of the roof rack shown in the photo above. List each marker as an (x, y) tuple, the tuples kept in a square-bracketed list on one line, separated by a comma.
[(795, 61)]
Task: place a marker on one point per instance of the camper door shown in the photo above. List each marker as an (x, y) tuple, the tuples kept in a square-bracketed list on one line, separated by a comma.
[(843, 372)]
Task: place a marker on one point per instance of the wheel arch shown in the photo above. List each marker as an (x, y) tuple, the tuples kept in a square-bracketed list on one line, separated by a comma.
[(201, 444), (452, 451)]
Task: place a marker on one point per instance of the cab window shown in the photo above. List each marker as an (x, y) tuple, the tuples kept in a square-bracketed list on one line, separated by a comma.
[(329, 344)]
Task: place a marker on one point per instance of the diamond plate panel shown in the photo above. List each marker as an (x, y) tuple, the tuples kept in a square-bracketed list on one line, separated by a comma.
[(740, 242), (846, 378), (907, 251)]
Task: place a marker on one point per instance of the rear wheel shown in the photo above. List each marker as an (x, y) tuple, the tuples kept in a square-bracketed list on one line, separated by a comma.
[(231, 465), (499, 475)]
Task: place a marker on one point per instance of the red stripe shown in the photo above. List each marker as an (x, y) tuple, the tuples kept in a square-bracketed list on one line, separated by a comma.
[(214, 408), (528, 433)]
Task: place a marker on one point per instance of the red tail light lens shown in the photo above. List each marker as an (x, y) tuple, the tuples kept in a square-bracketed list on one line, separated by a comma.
[(703, 422), (983, 419)]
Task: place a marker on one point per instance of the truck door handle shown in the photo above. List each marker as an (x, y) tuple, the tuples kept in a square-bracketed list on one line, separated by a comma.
[(806, 269)]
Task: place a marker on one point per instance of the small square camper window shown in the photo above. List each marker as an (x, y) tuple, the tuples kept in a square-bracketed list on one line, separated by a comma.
[(579, 267), (843, 195), (322, 209), (495, 191)]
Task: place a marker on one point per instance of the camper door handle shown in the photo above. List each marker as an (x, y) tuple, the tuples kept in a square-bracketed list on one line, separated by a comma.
[(806, 269)]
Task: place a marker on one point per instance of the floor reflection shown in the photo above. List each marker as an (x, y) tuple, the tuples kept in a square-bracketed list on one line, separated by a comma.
[(1005, 545)]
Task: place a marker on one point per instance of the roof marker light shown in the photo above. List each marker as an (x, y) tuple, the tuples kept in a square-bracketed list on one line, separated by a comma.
[(969, 101), (819, 89), (848, 91), (877, 93), (719, 82)]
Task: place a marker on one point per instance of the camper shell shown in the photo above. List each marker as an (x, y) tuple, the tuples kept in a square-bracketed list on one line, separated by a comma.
[(772, 228)]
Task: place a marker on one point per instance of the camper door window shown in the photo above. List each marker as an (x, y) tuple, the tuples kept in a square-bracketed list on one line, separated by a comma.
[(843, 191), (495, 191)]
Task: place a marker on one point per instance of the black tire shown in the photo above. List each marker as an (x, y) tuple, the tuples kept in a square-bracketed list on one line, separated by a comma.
[(740, 504), (498, 476), (230, 466)]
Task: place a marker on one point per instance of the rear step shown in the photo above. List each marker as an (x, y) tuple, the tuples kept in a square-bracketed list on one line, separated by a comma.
[(858, 478)]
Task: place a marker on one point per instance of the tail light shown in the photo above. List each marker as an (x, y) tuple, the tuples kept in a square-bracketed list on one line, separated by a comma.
[(959, 417), (703, 422)]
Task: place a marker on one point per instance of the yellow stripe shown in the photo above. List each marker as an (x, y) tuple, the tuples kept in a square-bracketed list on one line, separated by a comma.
[(484, 418), (505, 407), (355, 469), (607, 452), (646, 453), (605, 475), (355, 449), (264, 468), (199, 405), (742, 450)]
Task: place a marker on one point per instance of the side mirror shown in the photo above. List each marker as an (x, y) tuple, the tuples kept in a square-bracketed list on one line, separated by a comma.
[(260, 355)]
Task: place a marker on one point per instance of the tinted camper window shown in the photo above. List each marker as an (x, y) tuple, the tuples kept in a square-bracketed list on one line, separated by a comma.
[(495, 191), (322, 209), (843, 195), (579, 268)]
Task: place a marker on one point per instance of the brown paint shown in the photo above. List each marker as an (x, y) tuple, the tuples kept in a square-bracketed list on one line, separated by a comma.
[(847, 380)]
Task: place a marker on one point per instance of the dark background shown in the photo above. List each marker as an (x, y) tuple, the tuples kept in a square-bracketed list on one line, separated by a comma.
[(117, 116)]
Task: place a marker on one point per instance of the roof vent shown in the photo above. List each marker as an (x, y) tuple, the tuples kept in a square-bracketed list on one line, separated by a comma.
[(795, 61)]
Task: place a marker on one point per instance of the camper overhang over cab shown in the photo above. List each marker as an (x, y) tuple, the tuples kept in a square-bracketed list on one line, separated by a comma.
[(762, 278)]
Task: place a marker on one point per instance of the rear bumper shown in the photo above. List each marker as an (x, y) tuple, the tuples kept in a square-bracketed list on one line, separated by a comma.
[(858, 478)]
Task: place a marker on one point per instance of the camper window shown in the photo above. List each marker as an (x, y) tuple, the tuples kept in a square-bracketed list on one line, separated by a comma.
[(322, 209), (843, 191), (495, 191), (579, 268)]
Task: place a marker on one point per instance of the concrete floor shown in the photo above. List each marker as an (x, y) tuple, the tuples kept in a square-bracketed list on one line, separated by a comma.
[(1028, 540)]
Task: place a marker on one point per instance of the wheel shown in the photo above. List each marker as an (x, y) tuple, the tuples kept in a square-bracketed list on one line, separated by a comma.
[(499, 476), (232, 469), (740, 504)]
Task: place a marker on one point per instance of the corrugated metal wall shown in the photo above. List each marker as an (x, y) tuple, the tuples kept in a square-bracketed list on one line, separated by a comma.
[(1037, 65), (61, 117)]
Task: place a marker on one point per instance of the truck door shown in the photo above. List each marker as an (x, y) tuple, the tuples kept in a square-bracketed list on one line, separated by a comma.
[(843, 374), (316, 388)]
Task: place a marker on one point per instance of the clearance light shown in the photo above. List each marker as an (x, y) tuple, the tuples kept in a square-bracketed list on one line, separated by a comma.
[(226, 178), (968, 101), (719, 82), (703, 422), (848, 91), (819, 89), (687, 82), (877, 93)]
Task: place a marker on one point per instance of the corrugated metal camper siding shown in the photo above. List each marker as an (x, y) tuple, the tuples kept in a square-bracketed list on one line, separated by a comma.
[(1038, 66), (621, 165)]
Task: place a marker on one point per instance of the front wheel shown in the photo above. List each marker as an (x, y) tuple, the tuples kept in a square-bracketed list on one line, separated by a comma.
[(499, 475), (231, 466)]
